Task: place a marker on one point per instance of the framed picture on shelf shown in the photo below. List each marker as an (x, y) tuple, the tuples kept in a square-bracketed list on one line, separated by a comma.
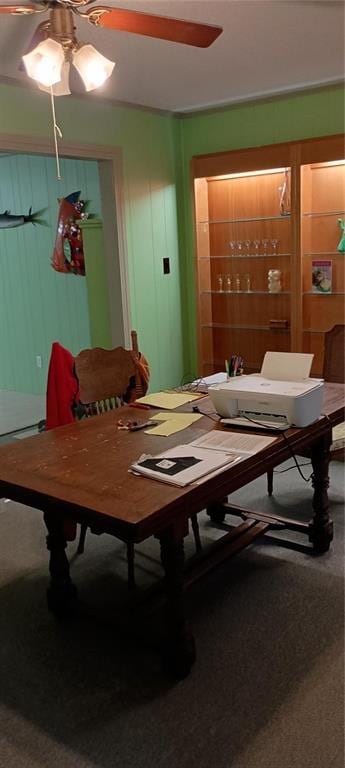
[(321, 276)]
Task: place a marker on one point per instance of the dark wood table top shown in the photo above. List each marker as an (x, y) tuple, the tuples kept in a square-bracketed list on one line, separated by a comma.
[(81, 470)]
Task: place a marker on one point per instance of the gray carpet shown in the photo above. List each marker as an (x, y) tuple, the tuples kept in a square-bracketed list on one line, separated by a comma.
[(19, 410), (267, 688)]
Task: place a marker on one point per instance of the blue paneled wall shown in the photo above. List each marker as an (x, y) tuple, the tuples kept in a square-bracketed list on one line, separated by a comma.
[(37, 304)]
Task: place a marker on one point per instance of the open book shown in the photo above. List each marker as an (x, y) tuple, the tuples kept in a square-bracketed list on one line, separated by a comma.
[(185, 464)]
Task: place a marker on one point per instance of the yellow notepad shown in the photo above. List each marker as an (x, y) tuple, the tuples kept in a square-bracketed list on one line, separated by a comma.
[(168, 400), (172, 422)]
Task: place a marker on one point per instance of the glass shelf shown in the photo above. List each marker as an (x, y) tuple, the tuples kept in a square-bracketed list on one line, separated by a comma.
[(241, 221), (315, 214), (313, 293), (244, 327), (247, 293), (318, 254), (246, 256)]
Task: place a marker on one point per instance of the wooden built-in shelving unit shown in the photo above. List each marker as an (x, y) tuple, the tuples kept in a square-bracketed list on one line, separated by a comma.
[(238, 217)]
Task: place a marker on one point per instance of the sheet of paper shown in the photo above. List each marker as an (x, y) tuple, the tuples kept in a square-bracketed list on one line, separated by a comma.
[(286, 366), (237, 442), (171, 467), (169, 400), (338, 432), (172, 422), (215, 378)]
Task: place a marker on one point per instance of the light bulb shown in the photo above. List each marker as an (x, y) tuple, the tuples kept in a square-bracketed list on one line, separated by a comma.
[(44, 63), (62, 88), (94, 69)]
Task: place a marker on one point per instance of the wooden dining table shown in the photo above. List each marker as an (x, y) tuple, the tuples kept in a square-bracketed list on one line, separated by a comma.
[(80, 472)]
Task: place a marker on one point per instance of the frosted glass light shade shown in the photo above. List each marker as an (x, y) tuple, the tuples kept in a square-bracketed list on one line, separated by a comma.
[(62, 88), (44, 63), (94, 69)]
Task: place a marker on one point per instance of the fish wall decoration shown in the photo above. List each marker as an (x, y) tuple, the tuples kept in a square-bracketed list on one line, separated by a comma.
[(8, 221)]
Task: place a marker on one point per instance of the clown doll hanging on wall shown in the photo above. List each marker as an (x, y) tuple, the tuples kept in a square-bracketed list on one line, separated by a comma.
[(68, 254)]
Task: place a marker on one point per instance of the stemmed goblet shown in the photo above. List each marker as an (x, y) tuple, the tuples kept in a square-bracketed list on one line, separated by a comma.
[(228, 284), (248, 244), (265, 243), (239, 244), (274, 244), (257, 246), (232, 244)]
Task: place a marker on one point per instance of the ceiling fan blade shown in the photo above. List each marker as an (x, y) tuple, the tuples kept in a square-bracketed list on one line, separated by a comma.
[(162, 27), (40, 34), (20, 10)]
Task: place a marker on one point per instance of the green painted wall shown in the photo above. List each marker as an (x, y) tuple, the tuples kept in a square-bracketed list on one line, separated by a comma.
[(37, 304), (96, 282), (293, 117), (157, 150), (149, 156)]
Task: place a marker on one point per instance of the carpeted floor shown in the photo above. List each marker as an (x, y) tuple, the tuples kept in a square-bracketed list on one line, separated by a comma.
[(267, 688), (19, 410)]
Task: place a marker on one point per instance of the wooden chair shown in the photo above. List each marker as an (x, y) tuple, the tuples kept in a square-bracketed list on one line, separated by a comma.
[(333, 371), (108, 379)]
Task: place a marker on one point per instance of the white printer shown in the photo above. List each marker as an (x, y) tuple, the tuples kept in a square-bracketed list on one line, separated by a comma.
[(281, 395)]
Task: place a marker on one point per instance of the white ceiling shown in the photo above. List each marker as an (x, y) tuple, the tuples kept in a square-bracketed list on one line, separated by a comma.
[(267, 47)]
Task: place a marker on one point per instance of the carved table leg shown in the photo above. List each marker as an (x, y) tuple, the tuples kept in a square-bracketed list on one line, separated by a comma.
[(321, 526), (61, 593), (196, 531), (179, 651), (216, 511)]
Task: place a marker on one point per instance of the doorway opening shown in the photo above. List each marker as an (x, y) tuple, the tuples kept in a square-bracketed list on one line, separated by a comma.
[(37, 304)]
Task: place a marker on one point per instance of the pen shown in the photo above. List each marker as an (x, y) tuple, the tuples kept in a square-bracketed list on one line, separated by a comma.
[(139, 405)]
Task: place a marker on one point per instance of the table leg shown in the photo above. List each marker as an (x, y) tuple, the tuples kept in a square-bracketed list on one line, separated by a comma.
[(61, 593), (179, 649), (321, 526), (216, 511)]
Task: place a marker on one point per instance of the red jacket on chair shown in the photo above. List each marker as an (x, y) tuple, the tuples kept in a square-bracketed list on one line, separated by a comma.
[(62, 394), (62, 387)]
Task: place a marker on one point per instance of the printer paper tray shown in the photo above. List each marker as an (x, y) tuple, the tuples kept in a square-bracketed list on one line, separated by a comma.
[(242, 422)]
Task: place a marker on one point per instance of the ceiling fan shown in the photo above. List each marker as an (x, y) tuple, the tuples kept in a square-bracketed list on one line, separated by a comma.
[(54, 45)]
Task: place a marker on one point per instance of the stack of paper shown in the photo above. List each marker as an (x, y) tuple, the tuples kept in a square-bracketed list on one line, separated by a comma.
[(196, 461), (237, 442), (183, 464)]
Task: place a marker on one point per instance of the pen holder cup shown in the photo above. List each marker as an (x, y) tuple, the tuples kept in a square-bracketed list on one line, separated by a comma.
[(234, 367)]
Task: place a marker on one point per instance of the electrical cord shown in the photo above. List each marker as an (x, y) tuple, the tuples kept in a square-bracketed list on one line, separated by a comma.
[(293, 455), (196, 409), (287, 469), (190, 384)]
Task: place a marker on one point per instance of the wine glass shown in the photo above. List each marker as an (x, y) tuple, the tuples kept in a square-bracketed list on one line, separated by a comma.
[(247, 282), (228, 284), (232, 244), (220, 283), (248, 244), (237, 279), (265, 244), (274, 244), (257, 246), (239, 244)]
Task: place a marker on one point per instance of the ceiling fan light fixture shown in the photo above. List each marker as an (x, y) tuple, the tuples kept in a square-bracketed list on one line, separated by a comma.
[(44, 64), (94, 69), (62, 88)]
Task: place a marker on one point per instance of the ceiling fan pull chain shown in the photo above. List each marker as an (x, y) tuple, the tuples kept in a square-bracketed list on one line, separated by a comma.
[(57, 133)]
